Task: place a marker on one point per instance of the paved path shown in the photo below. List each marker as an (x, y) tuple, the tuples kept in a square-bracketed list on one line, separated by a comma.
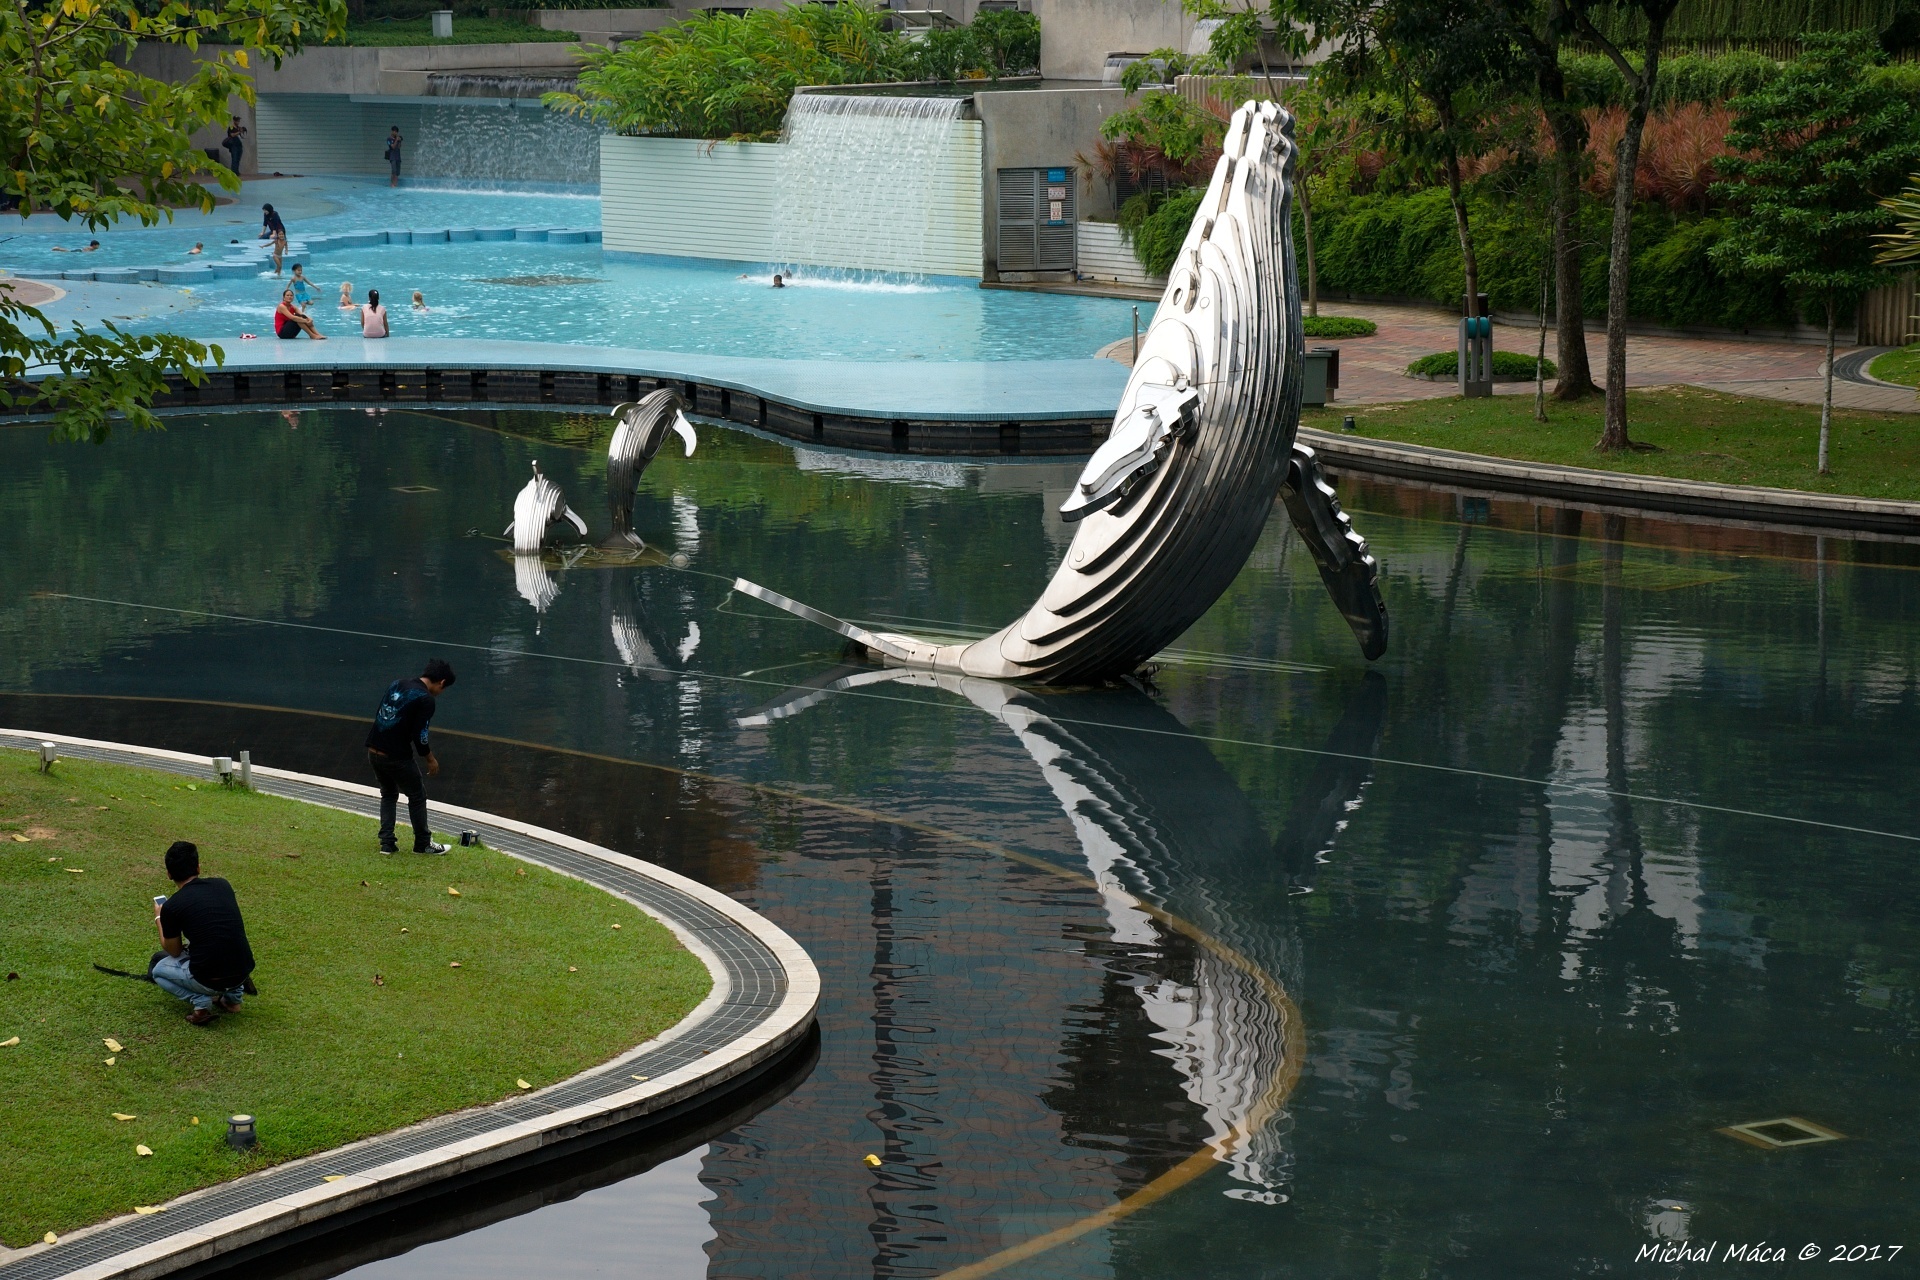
[(1372, 369)]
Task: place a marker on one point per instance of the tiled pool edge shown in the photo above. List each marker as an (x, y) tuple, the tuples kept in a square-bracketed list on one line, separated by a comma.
[(765, 992)]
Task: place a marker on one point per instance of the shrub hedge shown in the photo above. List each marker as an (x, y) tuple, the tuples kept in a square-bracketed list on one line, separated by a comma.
[(1506, 364), (1337, 327)]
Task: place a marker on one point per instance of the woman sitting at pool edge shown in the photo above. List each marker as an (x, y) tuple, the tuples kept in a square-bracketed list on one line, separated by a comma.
[(373, 317), (289, 321)]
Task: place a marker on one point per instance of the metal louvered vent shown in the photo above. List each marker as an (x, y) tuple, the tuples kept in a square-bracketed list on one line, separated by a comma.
[(1037, 214)]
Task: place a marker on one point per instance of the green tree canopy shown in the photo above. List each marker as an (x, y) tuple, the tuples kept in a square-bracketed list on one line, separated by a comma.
[(1815, 151), (88, 139)]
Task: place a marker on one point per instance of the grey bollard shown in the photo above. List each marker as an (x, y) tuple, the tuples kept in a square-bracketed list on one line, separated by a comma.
[(246, 770), (1475, 367)]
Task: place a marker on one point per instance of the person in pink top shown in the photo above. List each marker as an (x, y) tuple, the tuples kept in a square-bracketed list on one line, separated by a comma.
[(373, 317)]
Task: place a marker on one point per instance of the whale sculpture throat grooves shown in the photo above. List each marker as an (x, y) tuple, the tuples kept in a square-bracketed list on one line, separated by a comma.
[(1171, 505)]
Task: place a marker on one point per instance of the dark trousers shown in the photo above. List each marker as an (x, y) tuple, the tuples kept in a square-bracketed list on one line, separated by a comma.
[(233, 152), (398, 776)]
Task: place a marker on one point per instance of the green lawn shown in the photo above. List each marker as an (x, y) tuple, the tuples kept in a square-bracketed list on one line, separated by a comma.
[(553, 977), (413, 31), (1700, 435), (1902, 366)]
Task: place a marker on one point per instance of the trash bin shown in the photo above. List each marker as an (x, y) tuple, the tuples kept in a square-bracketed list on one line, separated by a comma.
[(1322, 375)]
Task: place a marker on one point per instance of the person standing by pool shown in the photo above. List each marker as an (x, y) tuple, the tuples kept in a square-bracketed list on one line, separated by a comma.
[(373, 317), (289, 321), (393, 154), (398, 735), (272, 226), (235, 132)]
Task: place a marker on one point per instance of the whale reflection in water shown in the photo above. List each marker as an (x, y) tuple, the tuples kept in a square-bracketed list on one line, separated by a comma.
[(1164, 828)]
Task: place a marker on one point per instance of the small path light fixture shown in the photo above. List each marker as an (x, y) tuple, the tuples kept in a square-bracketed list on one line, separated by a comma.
[(246, 770), (240, 1135), (223, 770), (47, 757)]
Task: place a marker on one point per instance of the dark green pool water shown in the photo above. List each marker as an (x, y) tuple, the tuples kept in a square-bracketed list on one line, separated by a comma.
[(1454, 967)]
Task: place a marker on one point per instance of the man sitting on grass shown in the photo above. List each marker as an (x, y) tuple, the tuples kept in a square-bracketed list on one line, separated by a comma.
[(212, 973)]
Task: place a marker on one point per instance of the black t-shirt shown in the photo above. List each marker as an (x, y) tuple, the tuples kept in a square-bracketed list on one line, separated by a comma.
[(401, 721), (204, 909)]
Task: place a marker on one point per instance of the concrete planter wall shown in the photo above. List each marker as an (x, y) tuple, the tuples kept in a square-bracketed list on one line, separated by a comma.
[(683, 197), (1106, 256)]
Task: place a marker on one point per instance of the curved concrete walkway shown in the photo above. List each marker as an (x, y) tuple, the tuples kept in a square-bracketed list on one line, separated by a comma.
[(765, 991)]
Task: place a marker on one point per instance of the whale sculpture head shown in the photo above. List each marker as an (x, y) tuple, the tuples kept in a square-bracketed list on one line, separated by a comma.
[(538, 505)]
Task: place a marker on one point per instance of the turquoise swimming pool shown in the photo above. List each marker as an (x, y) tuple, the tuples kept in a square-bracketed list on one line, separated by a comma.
[(536, 289)]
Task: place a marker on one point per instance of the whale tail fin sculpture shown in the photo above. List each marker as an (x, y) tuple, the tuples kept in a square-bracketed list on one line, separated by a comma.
[(1170, 506), (643, 427), (538, 505)]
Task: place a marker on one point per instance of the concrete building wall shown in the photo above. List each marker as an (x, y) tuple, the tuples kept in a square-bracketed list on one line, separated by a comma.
[(326, 133), (1077, 35), (1040, 128)]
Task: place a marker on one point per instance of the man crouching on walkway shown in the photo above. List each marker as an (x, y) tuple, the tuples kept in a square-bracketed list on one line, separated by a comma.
[(210, 975), (399, 733)]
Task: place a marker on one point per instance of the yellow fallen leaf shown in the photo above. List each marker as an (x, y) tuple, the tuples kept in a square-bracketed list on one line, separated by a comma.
[(616, 926), (453, 964), (333, 1177), (23, 840), (113, 1046), (49, 859), (123, 1116), (196, 1119), (871, 1161), (641, 1078), (51, 1238), (403, 931), (572, 969), (191, 787), (80, 871), (108, 1061), (149, 1208), (452, 892), (8, 1044), (142, 1149), (523, 1084)]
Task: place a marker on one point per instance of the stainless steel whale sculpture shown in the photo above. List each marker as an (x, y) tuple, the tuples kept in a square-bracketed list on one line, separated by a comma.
[(538, 505), (644, 425), (1172, 504)]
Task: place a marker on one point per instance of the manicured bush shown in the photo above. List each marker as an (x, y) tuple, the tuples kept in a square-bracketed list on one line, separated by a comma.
[(1156, 223), (1506, 364), (1337, 327)]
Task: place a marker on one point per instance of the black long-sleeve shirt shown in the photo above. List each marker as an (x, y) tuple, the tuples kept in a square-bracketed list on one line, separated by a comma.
[(400, 725)]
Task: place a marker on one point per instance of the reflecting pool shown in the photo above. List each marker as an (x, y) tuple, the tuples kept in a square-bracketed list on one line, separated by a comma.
[(1456, 966)]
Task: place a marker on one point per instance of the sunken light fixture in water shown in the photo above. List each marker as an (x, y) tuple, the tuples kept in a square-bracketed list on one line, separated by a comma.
[(866, 184)]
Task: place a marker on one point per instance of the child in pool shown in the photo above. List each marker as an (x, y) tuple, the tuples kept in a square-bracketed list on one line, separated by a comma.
[(419, 301), (197, 248), (346, 295), (302, 289)]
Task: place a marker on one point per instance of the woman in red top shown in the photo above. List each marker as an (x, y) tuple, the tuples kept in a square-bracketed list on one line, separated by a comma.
[(289, 321)]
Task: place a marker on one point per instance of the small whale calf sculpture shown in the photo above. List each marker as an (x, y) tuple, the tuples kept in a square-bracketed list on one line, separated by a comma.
[(643, 428), (540, 504)]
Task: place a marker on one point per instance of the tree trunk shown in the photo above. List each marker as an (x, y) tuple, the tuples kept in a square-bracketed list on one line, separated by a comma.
[(1540, 356), (1826, 390), (1569, 289), (1626, 168), (1469, 263), (1306, 228)]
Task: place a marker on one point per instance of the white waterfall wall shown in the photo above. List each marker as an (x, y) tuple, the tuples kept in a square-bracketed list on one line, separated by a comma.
[(879, 183), (505, 144)]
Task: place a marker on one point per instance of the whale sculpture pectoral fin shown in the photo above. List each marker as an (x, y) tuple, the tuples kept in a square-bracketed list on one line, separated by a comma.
[(1349, 570), (1134, 449), (573, 517), (685, 431)]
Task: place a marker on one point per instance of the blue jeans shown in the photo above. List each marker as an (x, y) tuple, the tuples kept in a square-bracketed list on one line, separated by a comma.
[(172, 976)]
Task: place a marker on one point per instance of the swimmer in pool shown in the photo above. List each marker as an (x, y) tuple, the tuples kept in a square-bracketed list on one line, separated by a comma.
[(346, 295), (419, 301), (778, 283)]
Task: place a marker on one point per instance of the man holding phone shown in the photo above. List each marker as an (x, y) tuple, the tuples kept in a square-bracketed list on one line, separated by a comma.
[(211, 973)]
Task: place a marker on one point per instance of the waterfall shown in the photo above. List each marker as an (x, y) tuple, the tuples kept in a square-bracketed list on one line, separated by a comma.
[(877, 183), (504, 144)]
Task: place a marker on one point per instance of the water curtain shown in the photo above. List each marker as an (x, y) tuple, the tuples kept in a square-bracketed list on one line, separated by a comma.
[(868, 183), (505, 144)]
